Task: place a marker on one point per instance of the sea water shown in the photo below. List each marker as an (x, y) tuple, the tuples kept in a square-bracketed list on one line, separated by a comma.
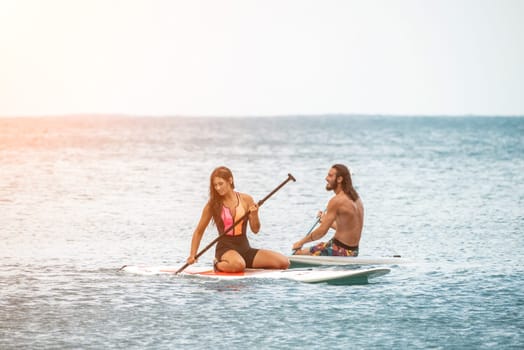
[(82, 196)]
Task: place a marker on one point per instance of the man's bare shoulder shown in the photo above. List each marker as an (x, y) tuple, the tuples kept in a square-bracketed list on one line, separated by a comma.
[(335, 202)]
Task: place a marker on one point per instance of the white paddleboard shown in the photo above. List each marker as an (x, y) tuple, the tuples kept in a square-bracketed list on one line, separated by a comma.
[(311, 260), (337, 277)]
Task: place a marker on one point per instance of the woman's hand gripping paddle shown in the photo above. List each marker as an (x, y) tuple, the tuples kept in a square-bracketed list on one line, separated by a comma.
[(260, 202)]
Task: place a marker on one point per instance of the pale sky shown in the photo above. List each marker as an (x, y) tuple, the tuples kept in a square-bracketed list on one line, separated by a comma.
[(261, 57)]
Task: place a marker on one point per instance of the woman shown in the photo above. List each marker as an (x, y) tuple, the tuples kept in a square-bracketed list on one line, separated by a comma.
[(225, 207)]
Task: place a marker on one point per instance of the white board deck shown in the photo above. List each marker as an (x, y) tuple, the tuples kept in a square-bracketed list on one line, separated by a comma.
[(311, 260), (337, 277)]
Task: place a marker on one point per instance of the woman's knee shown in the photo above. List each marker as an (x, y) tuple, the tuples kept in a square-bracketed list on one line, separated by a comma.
[(231, 262)]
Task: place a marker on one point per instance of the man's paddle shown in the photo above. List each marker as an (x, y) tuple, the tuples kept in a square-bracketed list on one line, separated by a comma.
[(260, 202), (310, 230)]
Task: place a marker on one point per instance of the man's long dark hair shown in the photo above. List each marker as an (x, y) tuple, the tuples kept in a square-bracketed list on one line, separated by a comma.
[(347, 184), (215, 200)]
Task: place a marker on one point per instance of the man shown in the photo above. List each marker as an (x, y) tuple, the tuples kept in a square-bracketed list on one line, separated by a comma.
[(344, 213)]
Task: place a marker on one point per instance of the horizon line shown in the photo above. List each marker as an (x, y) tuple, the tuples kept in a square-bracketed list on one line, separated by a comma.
[(303, 115)]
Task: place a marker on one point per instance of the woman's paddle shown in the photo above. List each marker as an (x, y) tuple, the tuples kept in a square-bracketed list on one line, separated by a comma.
[(260, 202)]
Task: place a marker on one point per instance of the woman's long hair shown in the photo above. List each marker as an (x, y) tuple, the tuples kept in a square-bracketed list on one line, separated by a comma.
[(347, 184), (215, 201)]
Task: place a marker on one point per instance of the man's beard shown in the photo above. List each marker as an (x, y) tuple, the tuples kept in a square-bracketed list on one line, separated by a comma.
[(329, 186)]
